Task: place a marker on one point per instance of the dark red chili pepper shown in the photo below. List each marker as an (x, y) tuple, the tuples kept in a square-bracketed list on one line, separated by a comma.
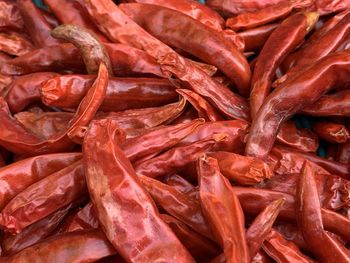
[(83, 220), (115, 187), (332, 132)]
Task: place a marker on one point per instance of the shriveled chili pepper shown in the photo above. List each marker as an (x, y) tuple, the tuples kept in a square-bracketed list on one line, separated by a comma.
[(330, 105), (33, 234), (205, 110), (92, 51), (10, 17), (159, 140), (36, 25), (74, 247), (292, 96), (282, 250), (109, 194), (202, 249), (25, 90), (176, 158), (83, 220), (43, 198), (223, 211), (15, 44), (17, 176), (325, 45), (184, 207), (261, 226), (66, 91), (201, 41), (285, 38), (241, 169), (265, 15), (309, 218), (254, 39), (330, 131)]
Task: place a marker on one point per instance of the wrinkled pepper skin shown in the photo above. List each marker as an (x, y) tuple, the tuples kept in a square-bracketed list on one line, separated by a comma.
[(15, 44), (10, 16), (75, 247), (83, 220), (284, 39), (332, 132), (18, 176), (66, 91), (176, 29), (309, 219), (223, 211), (292, 96), (113, 186)]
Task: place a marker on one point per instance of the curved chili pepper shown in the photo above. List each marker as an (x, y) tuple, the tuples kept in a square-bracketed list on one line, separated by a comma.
[(33, 234), (313, 52), (176, 158), (83, 220), (205, 110), (202, 42), (330, 105), (115, 187), (25, 90), (241, 169), (178, 182), (261, 226), (74, 247), (254, 39), (184, 207), (73, 13), (292, 96), (284, 39), (309, 218), (18, 140), (191, 8), (10, 17), (202, 249), (15, 44), (159, 140), (36, 25), (43, 198), (66, 91), (92, 51), (222, 209), (282, 250), (332, 132), (265, 15), (300, 139)]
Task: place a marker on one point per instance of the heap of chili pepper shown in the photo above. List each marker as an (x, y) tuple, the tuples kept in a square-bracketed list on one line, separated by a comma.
[(175, 131)]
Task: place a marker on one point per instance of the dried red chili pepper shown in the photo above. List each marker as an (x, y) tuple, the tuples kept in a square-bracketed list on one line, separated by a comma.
[(331, 6), (309, 219), (92, 51), (266, 15), (10, 17), (74, 247), (261, 226), (241, 169), (202, 249), (205, 110), (284, 39), (109, 194), (178, 182), (254, 39), (184, 207), (158, 140), (66, 91), (282, 250), (202, 42), (83, 220), (33, 234), (17, 176), (25, 90), (292, 96), (332, 132), (176, 158), (222, 209), (330, 105), (36, 25), (15, 44), (44, 198)]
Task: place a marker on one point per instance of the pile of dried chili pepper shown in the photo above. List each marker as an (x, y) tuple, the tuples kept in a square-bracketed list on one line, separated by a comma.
[(175, 131)]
